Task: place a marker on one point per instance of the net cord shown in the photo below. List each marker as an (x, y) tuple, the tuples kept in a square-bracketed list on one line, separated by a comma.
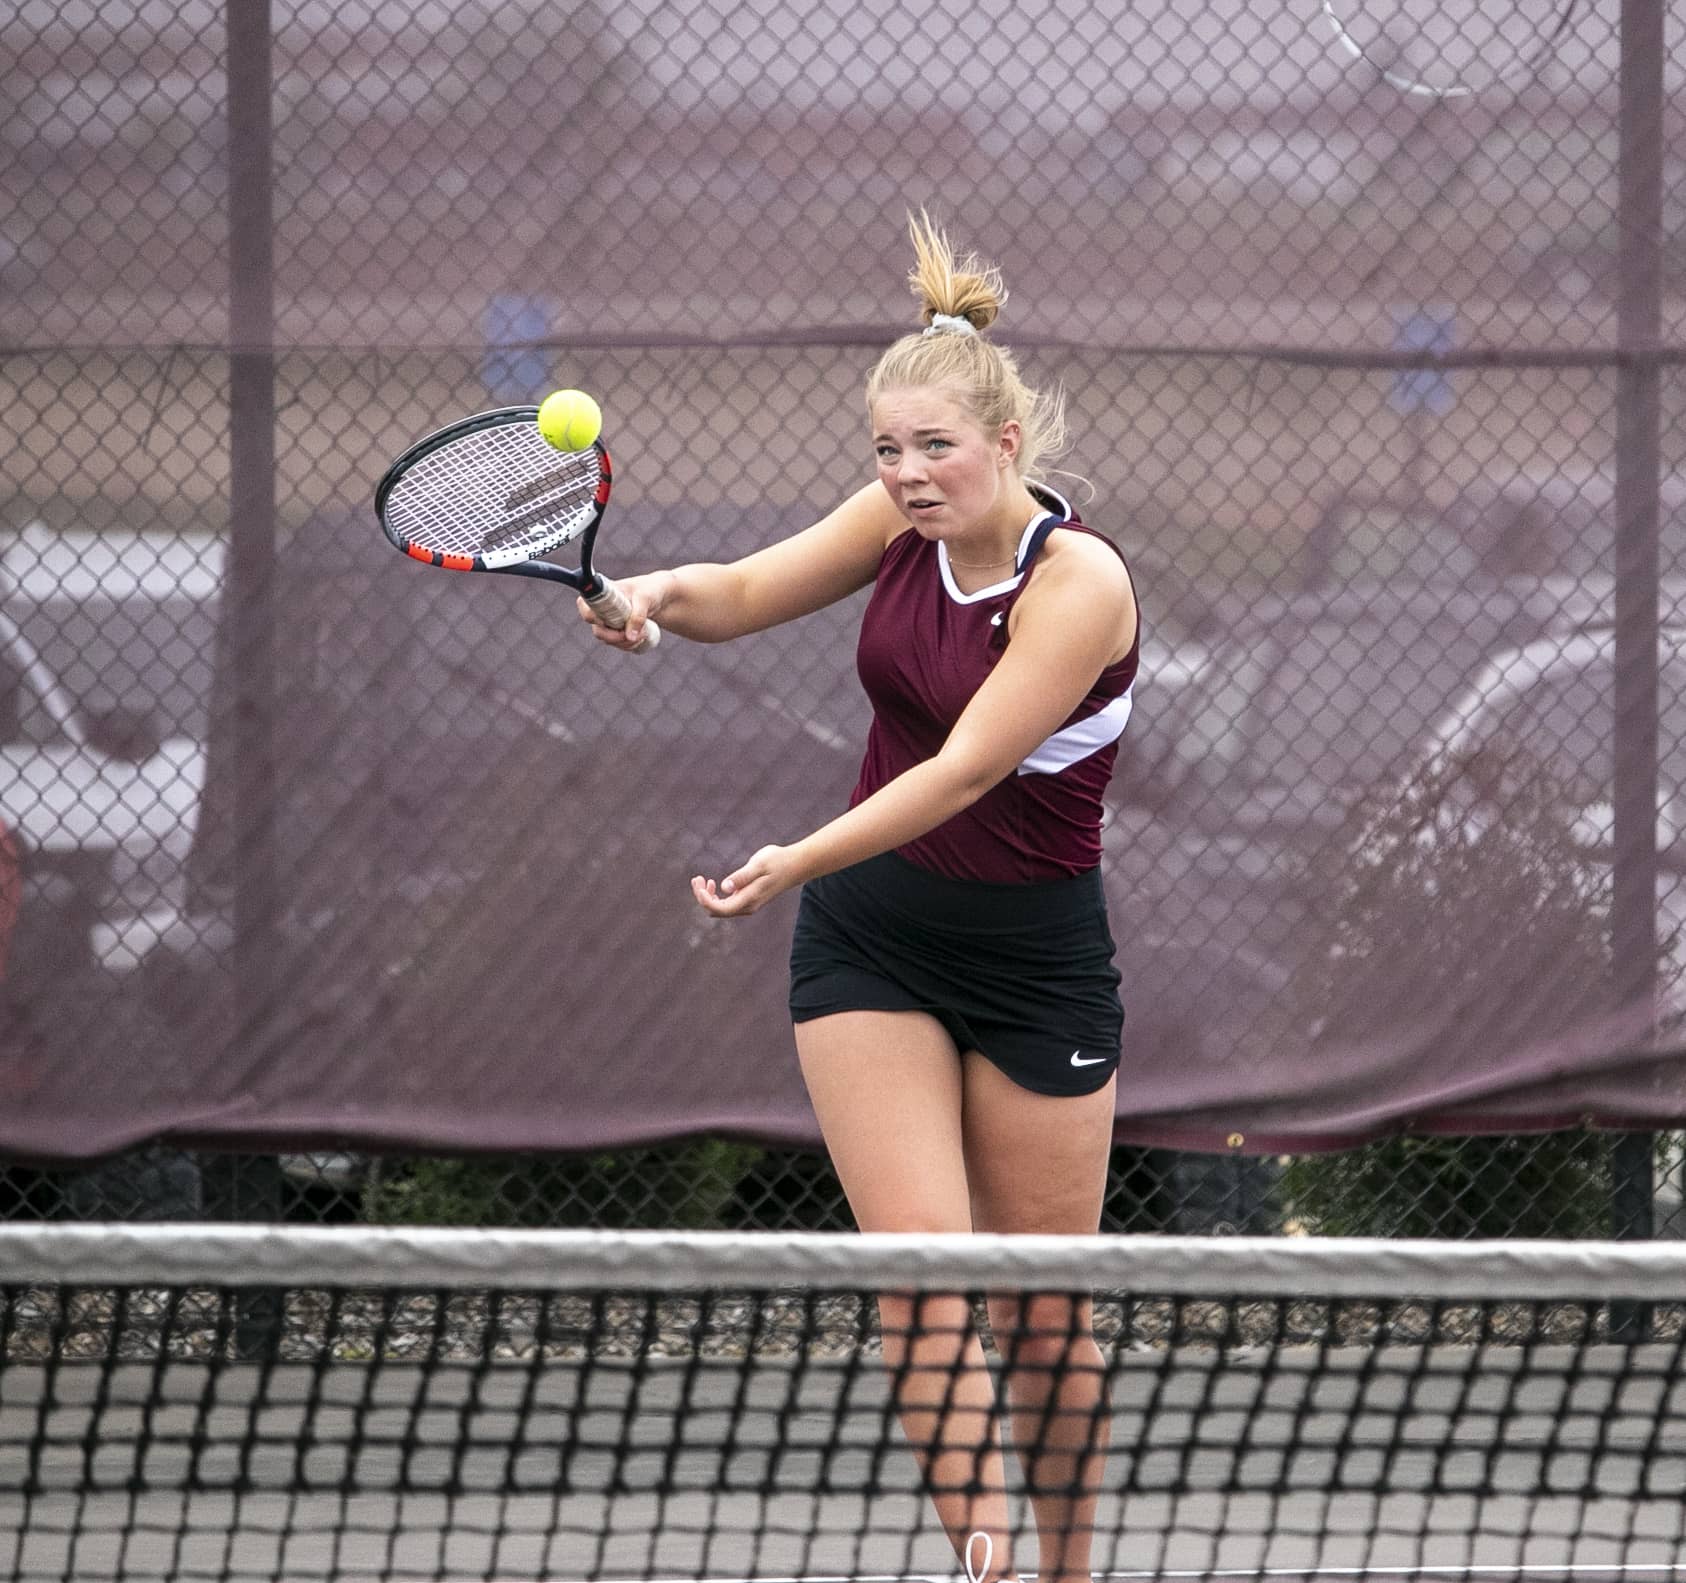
[(256, 1255)]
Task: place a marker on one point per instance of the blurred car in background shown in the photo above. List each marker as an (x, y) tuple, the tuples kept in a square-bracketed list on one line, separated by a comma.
[(1556, 698), (106, 644), (1282, 715), (102, 803), (1305, 699), (1555, 529)]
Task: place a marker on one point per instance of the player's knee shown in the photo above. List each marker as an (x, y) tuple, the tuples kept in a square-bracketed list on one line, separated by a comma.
[(931, 1328), (1047, 1334)]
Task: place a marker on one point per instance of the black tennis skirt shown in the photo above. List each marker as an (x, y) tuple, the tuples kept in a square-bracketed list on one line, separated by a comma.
[(1022, 973)]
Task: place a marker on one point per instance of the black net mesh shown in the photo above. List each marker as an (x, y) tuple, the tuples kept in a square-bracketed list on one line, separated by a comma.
[(459, 1415)]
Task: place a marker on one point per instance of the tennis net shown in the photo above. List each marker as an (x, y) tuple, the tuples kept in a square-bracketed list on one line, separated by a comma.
[(246, 1402)]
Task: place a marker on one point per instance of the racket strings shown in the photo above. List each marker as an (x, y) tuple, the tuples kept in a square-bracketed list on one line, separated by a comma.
[(503, 494)]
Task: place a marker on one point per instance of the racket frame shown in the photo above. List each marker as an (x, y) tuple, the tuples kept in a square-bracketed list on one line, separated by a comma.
[(597, 590), (1544, 47), (517, 557)]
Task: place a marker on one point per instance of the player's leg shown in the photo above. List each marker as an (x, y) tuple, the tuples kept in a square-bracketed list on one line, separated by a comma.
[(1038, 1163), (886, 1087)]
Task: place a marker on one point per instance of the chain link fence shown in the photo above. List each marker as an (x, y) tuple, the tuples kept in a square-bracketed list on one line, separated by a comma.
[(1369, 320), (1553, 1185)]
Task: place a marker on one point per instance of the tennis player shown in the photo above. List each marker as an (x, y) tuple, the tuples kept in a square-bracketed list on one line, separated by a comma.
[(952, 977)]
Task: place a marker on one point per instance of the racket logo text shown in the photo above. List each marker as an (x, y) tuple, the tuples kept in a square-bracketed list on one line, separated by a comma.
[(559, 493), (568, 477)]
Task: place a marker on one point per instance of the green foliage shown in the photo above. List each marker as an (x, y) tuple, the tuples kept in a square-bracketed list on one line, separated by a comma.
[(1461, 904), (1553, 1185), (789, 1190), (684, 1187)]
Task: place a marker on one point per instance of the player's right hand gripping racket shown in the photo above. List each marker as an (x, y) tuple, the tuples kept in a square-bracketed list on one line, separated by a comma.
[(491, 494)]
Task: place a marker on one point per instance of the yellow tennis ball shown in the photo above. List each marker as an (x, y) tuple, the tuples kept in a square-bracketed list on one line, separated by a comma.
[(570, 420)]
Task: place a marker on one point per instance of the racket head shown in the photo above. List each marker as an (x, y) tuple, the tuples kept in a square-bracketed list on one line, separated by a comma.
[(489, 491), (1455, 51)]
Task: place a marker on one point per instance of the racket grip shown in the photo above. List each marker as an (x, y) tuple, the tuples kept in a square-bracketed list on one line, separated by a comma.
[(611, 605)]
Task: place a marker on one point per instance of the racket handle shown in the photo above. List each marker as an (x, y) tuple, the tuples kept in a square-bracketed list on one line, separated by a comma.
[(611, 605)]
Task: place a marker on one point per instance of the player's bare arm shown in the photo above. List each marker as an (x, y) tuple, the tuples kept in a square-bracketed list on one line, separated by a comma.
[(710, 602), (1077, 617)]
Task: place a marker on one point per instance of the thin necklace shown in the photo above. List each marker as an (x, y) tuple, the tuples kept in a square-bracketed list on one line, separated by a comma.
[(979, 566)]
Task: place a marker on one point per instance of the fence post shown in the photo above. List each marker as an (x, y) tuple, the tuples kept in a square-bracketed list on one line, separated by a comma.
[(250, 588), (1638, 486)]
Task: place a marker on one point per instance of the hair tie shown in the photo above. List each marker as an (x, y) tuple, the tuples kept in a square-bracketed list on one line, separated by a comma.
[(950, 324)]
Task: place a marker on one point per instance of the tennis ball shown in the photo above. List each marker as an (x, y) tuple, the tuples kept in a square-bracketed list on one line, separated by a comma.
[(570, 420)]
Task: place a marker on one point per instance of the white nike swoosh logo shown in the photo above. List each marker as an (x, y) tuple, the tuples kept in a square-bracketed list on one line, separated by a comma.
[(1077, 1059)]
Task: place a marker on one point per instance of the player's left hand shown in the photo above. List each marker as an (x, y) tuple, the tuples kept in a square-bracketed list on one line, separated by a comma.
[(769, 873)]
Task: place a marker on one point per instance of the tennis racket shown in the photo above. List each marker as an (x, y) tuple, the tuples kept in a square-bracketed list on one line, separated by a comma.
[(490, 494), (1451, 49)]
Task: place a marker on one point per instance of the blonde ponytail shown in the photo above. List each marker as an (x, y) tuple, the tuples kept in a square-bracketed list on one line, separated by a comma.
[(959, 298)]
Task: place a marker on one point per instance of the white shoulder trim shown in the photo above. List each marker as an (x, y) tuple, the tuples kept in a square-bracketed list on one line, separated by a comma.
[(1064, 748), (953, 588)]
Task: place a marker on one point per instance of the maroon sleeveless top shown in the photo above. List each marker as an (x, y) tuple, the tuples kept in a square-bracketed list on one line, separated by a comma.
[(925, 648)]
